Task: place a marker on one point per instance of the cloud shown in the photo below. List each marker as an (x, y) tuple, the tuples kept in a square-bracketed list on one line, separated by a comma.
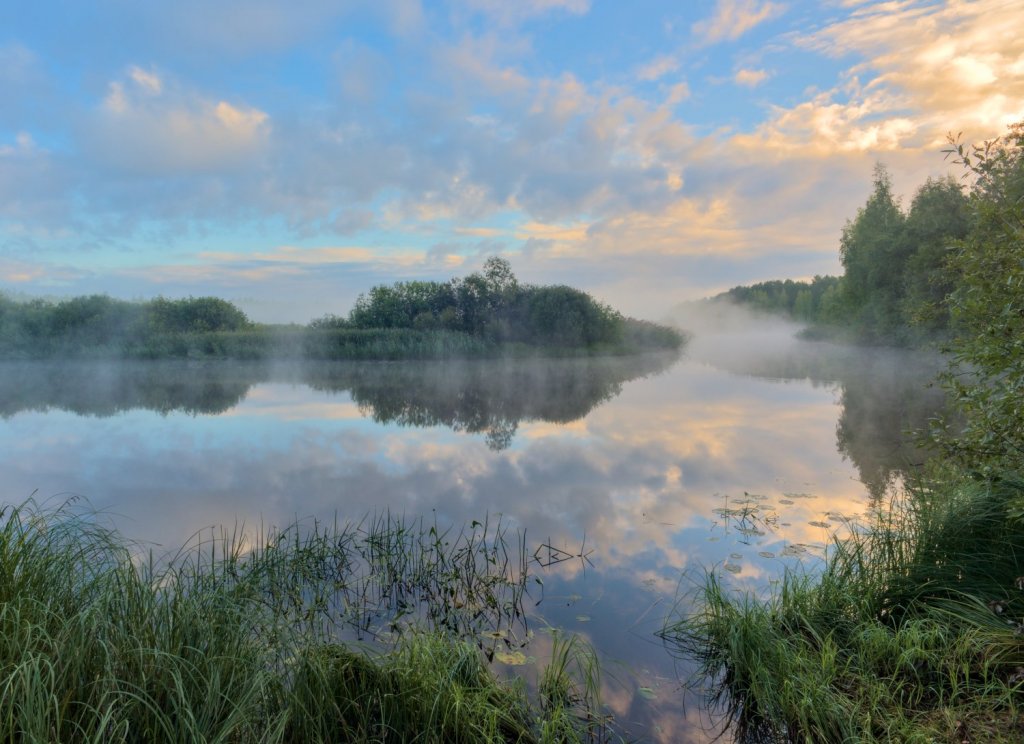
[(658, 68), (750, 78), (733, 18), (510, 13), (141, 128), (923, 69)]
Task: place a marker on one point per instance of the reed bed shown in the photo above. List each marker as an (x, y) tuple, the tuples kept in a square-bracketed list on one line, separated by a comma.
[(239, 640), (912, 632)]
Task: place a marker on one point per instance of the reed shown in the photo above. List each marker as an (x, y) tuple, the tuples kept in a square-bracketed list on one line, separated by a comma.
[(239, 639), (912, 631)]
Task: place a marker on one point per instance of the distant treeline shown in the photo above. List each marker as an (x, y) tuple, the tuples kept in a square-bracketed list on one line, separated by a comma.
[(899, 268), (483, 314)]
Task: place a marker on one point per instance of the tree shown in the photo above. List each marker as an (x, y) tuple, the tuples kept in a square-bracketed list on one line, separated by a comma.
[(939, 216), (987, 307), (874, 255)]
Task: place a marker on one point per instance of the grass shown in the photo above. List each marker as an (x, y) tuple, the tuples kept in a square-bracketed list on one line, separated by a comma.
[(912, 632), (238, 640)]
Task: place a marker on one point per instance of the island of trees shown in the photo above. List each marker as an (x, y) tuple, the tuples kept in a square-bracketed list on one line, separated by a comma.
[(481, 315)]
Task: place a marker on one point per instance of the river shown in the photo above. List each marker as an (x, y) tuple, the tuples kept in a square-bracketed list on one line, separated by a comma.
[(740, 456)]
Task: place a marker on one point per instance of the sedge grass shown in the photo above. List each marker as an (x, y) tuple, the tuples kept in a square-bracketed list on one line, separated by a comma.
[(232, 640), (912, 631)]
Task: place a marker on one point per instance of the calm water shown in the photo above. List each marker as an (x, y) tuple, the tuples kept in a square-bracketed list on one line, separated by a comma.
[(636, 462)]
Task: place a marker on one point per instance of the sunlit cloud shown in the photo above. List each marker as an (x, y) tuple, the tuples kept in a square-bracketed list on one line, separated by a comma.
[(521, 10), (142, 128), (733, 18), (928, 68), (750, 78), (658, 68)]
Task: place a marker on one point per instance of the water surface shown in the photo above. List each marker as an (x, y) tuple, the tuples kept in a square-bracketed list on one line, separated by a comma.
[(649, 466)]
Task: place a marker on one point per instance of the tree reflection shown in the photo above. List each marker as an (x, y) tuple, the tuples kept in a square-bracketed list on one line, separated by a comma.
[(480, 397), (489, 397), (886, 397)]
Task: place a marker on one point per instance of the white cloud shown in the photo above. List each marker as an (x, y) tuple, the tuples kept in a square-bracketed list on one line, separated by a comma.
[(147, 81), (517, 11), (658, 68), (143, 128), (750, 78), (733, 18), (677, 94)]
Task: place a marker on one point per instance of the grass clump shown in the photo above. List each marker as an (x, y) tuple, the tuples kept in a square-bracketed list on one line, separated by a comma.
[(911, 632), (237, 641)]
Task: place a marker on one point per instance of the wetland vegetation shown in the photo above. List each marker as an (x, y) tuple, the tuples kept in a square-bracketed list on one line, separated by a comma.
[(241, 638)]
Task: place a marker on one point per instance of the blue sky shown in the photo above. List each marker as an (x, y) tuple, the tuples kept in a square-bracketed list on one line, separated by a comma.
[(288, 155)]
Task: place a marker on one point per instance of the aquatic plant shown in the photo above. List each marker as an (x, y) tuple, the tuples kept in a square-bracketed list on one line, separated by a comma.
[(239, 639), (911, 632)]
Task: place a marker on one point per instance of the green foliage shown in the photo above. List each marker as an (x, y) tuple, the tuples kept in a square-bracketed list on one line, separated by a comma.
[(804, 301), (987, 309), (903, 636), (236, 641), (98, 326), (874, 254), (897, 276), (495, 308), (939, 216)]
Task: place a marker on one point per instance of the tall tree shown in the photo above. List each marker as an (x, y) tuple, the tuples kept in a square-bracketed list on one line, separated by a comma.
[(874, 254), (939, 216)]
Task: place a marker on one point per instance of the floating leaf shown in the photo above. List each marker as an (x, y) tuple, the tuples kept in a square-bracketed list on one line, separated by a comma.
[(514, 658), (583, 618), (737, 556), (647, 692), (787, 502), (794, 550), (766, 554), (493, 634), (824, 525), (732, 568), (750, 531)]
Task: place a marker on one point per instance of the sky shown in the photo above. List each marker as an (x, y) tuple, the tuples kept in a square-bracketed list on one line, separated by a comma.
[(289, 155)]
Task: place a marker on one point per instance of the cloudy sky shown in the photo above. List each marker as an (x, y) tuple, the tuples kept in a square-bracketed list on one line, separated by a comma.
[(288, 155)]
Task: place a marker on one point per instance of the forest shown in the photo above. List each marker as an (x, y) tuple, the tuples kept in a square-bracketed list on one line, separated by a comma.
[(480, 315)]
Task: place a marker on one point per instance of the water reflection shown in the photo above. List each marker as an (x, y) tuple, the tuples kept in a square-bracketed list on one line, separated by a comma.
[(885, 395), (634, 456), (490, 397)]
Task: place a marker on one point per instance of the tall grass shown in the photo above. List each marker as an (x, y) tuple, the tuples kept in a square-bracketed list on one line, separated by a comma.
[(912, 631), (232, 640)]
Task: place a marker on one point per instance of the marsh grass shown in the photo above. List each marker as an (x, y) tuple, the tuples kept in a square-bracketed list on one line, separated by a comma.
[(239, 640), (912, 631)]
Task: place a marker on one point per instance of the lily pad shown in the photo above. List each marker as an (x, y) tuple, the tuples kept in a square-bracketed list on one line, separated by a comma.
[(766, 554), (514, 658), (732, 568), (824, 525)]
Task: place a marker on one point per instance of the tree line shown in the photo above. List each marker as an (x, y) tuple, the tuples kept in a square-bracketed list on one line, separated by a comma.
[(477, 315), (900, 267)]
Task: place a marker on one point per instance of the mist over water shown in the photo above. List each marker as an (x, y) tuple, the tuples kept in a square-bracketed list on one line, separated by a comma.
[(637, 462)]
